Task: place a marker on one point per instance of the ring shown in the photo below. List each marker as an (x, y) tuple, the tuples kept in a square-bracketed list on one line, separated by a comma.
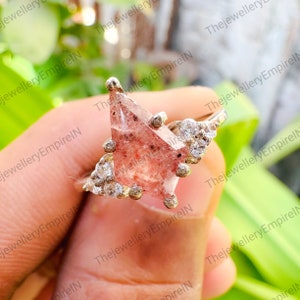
[(144, 155)]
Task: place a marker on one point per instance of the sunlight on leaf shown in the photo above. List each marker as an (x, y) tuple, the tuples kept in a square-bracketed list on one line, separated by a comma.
[(21, 104), (31, 33), (282, 144), (268, 220), (240, 127)]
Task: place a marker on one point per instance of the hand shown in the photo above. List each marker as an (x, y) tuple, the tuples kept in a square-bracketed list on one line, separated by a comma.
[(40, 195)]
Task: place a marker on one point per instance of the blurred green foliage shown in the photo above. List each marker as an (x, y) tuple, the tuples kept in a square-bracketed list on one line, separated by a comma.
[(62, 59)]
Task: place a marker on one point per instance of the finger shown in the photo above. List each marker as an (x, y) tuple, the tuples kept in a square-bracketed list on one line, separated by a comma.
[(218, 240), (218, 245), (125, 249), (38, 196), (217, 253), (219, 280), (40, 280)]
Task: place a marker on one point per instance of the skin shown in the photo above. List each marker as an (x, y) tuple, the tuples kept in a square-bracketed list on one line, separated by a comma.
[(66, 253)]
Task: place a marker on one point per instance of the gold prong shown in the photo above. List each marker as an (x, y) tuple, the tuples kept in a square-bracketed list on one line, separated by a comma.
[(135, 192), (158, 120), (109, 146), (183, 170), (171, 202), (192, 160), (124, 194), (113, 84)]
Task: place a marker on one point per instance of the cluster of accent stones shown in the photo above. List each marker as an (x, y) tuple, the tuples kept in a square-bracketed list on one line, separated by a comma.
[(102, 179), (197, 136)]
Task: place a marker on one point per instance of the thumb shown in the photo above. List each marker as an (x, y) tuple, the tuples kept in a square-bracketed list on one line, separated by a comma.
[(122, 249)]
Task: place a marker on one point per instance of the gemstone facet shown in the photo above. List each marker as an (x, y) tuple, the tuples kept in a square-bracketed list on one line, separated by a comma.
[(143, 155)]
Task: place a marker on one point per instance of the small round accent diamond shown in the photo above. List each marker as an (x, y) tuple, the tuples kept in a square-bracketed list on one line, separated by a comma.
[(105, 171), (197, 150), (188, 129), (88, 186), (114, 189), (97, 190)]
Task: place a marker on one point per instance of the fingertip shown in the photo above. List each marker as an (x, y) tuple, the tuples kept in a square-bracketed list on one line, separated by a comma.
[(218, 245), (181, 102), (219, 280)]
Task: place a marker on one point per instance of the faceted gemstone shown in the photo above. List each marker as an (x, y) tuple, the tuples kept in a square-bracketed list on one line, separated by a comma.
[(113, 189), (101, 180), (209, 129), (143, 155), (211, 133), (105, 170), (90, 186), (202, 143), (97, 190), (196, 150), (188, 129)]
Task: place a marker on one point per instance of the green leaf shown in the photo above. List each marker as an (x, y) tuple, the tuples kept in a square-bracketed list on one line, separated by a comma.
[(236, 294), (32, 28), (242, 122), (260, 290), (244, 265), (249, 284), (21, 104), (247, 288), (281, 145), (19, 64), (255, 201)]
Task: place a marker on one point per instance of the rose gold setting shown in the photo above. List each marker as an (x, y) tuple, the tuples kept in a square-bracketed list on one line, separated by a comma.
[(145, 156)]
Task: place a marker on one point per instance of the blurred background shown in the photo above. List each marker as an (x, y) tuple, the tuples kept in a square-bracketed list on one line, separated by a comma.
[(248, 51)]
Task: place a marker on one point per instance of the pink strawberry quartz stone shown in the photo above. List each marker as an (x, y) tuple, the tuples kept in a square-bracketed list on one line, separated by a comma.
[(144, 155)]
